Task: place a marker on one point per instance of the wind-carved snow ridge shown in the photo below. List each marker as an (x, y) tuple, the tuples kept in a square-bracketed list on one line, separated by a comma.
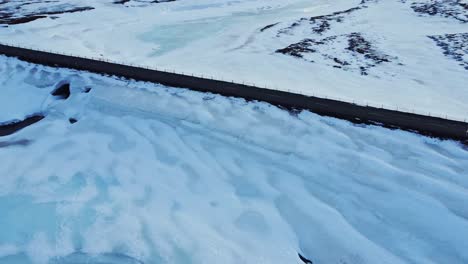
[(152, 174)]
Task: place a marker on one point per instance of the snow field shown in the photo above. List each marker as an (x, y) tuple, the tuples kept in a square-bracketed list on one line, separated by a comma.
[(163, 175)]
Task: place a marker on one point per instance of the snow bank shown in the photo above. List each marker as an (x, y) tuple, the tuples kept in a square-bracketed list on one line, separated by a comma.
[(150, 174)]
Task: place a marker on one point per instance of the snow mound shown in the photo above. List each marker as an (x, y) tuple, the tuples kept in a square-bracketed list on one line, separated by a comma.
[(152, 174)]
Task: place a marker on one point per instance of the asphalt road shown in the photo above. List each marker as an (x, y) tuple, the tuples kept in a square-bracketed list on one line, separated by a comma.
[(426, 125)]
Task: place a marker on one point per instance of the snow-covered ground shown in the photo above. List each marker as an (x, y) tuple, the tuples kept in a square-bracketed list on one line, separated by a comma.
[(394, 53), (150, 174)]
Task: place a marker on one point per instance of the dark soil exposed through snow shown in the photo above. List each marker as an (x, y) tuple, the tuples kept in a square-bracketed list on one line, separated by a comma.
[(13, 127)]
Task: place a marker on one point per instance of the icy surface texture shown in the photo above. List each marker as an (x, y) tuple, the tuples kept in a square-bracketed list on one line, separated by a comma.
[(150, 174)]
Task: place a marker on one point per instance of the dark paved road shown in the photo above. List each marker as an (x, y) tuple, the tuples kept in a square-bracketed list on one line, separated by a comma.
[(426, 125)]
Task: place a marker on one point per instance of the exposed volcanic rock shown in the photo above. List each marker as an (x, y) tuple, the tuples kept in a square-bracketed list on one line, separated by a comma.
[(121, 2), (456, 9), (298, 49), (268, 27), (62, 91), (350, 52), (454, 46), (87, 89), (304, 259), (321, 24), (24, 11)]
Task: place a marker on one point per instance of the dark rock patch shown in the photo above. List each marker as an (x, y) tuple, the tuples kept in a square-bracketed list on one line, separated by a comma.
[(13, 127), (360, 54), (62, 91), (456, 9), (358, 44), (124, 2), (21, 20), (121, 2), (294, 112), (304, 259), (72, 120), (323, 23), (14, 12), (209, 97), (70, 10), (364, 2), (454, 46), (268, 26), (87, 90), (298, 49)]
